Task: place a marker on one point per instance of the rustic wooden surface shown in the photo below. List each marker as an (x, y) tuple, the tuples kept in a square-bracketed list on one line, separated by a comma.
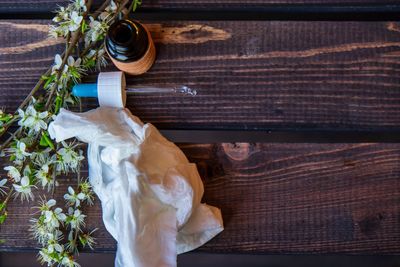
[(15, 5), (249, 75), (285, 75), (283, 198)]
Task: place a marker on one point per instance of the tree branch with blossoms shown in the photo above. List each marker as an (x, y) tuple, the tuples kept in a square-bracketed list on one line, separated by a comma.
[(35, 160)]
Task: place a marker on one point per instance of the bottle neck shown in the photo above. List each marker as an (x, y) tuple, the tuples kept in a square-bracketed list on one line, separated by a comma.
[(126, 41)]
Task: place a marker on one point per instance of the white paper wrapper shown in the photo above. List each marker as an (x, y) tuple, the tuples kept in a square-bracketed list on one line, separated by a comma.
[(150, 193)]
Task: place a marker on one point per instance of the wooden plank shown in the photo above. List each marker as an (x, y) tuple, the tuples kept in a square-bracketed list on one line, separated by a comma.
[(204, 259), (50, 5), (282, 198), (249, 75), (255, 136), (335, 10)]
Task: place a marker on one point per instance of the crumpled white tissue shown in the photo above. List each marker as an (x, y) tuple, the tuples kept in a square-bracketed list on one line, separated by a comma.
[(150, 193)]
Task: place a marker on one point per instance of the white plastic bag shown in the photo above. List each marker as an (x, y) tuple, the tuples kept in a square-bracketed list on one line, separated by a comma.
[(150, 194)]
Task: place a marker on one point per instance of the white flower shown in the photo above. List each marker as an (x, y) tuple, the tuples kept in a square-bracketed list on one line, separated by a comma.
[(43, 176), (76, 219), (86, 189), (69, 262), (75, 22), (39, 230), (69, 159), (101, 58), (80, 5), (24, 189), (68, 19), (72, 69), (91, 53), (19, 152), (112, 7), (56, 19), (96, 28), (53, 218), (63, 14), (64, 78), (97, 31), (75, 68), (54, 31), (98, 57), (53, 242), (32, 119), (13, 173), (23, 116), (2, 187), (46, 257), (73, 198), (50, 203), (54, 247), (42, 157), (74, 63), (57, 62), (87, 239)]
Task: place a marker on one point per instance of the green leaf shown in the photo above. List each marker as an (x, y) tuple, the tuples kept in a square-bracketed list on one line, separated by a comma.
[(83, 240), (59, 102), (3, 218), (136, 4), (44, 77), (74, 73), (90, 63), (2, 206), (39, 105), (48, 80), (49, 142), (45, 141), (6, 117), (83, 26)]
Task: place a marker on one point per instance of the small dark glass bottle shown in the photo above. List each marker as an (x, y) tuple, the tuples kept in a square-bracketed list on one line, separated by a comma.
[(130, 47)]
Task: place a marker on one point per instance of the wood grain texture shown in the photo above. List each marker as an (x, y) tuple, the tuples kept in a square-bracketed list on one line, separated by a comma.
[(282, 198), (50, 5), (248, 74)]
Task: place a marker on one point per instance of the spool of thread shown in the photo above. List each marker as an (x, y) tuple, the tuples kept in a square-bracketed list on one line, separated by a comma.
[(130, 47)]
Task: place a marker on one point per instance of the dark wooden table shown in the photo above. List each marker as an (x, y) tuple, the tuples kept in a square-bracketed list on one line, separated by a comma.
[(295, 128)]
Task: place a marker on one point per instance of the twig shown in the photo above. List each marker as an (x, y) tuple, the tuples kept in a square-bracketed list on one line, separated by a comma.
[(100, 9), (130, 8), (77, 230), (120, 7), (70, 46), (8, 141), (74, 41), (26, 101), (65, 55), (54, 174), (8, 196)]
